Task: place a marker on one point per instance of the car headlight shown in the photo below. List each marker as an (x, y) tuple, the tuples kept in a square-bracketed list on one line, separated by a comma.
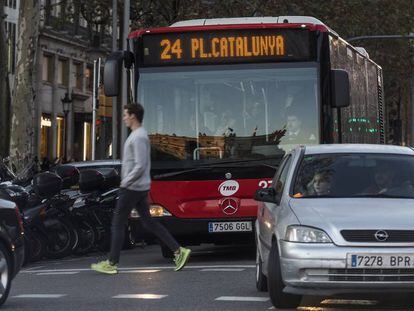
[(155, 211), (303, 234)]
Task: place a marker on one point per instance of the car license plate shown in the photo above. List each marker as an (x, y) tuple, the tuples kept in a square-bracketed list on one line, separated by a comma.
[(380, 261), (233, 226)]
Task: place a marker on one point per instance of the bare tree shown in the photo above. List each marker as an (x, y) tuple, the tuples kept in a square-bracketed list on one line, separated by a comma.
[(22, 110), (4, 88)]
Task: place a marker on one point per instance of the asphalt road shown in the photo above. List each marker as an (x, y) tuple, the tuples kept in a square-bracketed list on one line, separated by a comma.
[(215, 279)]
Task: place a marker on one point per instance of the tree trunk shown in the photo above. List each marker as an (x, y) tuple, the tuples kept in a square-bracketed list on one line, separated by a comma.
[(4, 88), (22, 110)]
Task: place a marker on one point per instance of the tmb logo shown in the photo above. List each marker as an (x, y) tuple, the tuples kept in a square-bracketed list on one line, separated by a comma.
[(228, 188)]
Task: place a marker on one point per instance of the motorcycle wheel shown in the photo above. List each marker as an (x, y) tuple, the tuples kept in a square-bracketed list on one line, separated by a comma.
[(87, 237), (62, 239)]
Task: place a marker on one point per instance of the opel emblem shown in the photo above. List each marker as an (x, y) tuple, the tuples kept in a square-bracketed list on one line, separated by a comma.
[(228, 175), (381, 235), (229, 206)]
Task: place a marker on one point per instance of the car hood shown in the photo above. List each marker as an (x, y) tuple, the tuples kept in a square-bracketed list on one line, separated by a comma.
[(334, 215)]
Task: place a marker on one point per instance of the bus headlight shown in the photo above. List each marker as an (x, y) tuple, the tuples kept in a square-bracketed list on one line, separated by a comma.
[(156, 210)]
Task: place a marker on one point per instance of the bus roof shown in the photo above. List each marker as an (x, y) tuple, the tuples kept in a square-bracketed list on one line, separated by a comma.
[(239, 22)]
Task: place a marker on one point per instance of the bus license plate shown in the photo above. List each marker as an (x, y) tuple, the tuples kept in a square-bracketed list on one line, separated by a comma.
[(378, 261), (233, 226)]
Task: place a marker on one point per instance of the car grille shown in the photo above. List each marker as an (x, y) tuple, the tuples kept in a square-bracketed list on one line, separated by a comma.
[(394, 236), (371, 275)]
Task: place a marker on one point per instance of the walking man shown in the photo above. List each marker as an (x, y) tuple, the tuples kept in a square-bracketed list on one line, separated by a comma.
[(133, 192)]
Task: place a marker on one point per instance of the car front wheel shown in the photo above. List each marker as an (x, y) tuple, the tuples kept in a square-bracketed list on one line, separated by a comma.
[(5, 273), (275, 283)]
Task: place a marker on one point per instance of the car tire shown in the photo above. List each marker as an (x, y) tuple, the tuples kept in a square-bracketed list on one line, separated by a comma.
[(5, 273), (275, 283), (261, 279)]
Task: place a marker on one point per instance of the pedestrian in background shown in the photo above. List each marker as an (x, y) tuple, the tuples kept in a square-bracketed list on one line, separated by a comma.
[(133, 193)]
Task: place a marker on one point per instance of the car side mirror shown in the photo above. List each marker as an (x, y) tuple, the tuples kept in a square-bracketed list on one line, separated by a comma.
[(340, 88), (265, 195)]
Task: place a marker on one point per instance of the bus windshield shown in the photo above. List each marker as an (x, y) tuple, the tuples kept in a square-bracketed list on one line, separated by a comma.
[(202, 114)]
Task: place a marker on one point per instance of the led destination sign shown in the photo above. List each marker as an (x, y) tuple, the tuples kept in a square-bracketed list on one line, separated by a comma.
[(234, 46)]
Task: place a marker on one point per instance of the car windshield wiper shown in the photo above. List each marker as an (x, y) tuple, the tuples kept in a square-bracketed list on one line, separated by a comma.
[(382, 195), (318, 196)]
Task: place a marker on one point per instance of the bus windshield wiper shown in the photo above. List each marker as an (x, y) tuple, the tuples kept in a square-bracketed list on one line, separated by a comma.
[(171, 174), (213, 165), (225, 163)]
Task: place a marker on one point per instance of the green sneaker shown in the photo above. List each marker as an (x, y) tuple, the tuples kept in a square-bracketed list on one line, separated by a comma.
[(182, 258), (105, 267)]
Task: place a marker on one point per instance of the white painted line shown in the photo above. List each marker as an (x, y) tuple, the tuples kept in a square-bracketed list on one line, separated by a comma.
[(238, 298), (223, 270), (140, 296), (58, 273), (33, 268), (39, 296), (170, 267), (139, 271)]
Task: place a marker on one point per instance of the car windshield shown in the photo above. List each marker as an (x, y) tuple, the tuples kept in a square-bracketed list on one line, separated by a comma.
[(355, 175), (204, 114)]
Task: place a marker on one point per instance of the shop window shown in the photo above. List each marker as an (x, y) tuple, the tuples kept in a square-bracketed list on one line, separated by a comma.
[(45, 136)]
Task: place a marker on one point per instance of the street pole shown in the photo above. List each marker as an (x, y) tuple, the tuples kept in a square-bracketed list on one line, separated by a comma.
[(114, 99), (124, 131), (94, 111), (65, 154)]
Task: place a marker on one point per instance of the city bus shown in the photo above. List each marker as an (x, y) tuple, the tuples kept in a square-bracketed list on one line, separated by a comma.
[(225, 99)]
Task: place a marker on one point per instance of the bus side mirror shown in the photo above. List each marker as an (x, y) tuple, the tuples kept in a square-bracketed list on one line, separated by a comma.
[(113, 73), (340, 88)]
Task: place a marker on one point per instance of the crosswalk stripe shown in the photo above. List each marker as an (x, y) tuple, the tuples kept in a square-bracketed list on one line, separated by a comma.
[(139, 271), (223, 270), (145, 268), (140, 296), (39, 296), (238, 298), (58, 273)]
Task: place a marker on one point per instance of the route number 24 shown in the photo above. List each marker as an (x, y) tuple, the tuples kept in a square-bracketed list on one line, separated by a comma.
[(171, 49)]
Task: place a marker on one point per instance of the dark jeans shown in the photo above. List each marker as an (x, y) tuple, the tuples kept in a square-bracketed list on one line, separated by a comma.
[(129, 199)]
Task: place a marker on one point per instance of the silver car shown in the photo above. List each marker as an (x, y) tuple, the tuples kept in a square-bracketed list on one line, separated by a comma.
[(338, 219)]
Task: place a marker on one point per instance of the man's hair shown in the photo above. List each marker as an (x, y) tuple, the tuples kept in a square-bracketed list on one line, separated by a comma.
[(135, 109)]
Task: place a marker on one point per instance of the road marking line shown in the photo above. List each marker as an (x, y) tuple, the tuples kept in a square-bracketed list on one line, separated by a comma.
[(238, 298), (40, 296), (58, 273), (139, 271), (33, 268), (223, 270), (145, 268), (140, 296)]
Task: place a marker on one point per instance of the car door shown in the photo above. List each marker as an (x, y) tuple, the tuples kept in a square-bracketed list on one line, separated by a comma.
[(268, 211)]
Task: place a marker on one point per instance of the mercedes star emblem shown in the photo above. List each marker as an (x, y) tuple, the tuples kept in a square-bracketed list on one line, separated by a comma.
[(228, 175), (229, 206), (381, 235)]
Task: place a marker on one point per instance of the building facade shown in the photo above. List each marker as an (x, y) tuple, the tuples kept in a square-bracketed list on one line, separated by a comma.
[(65, 75)]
